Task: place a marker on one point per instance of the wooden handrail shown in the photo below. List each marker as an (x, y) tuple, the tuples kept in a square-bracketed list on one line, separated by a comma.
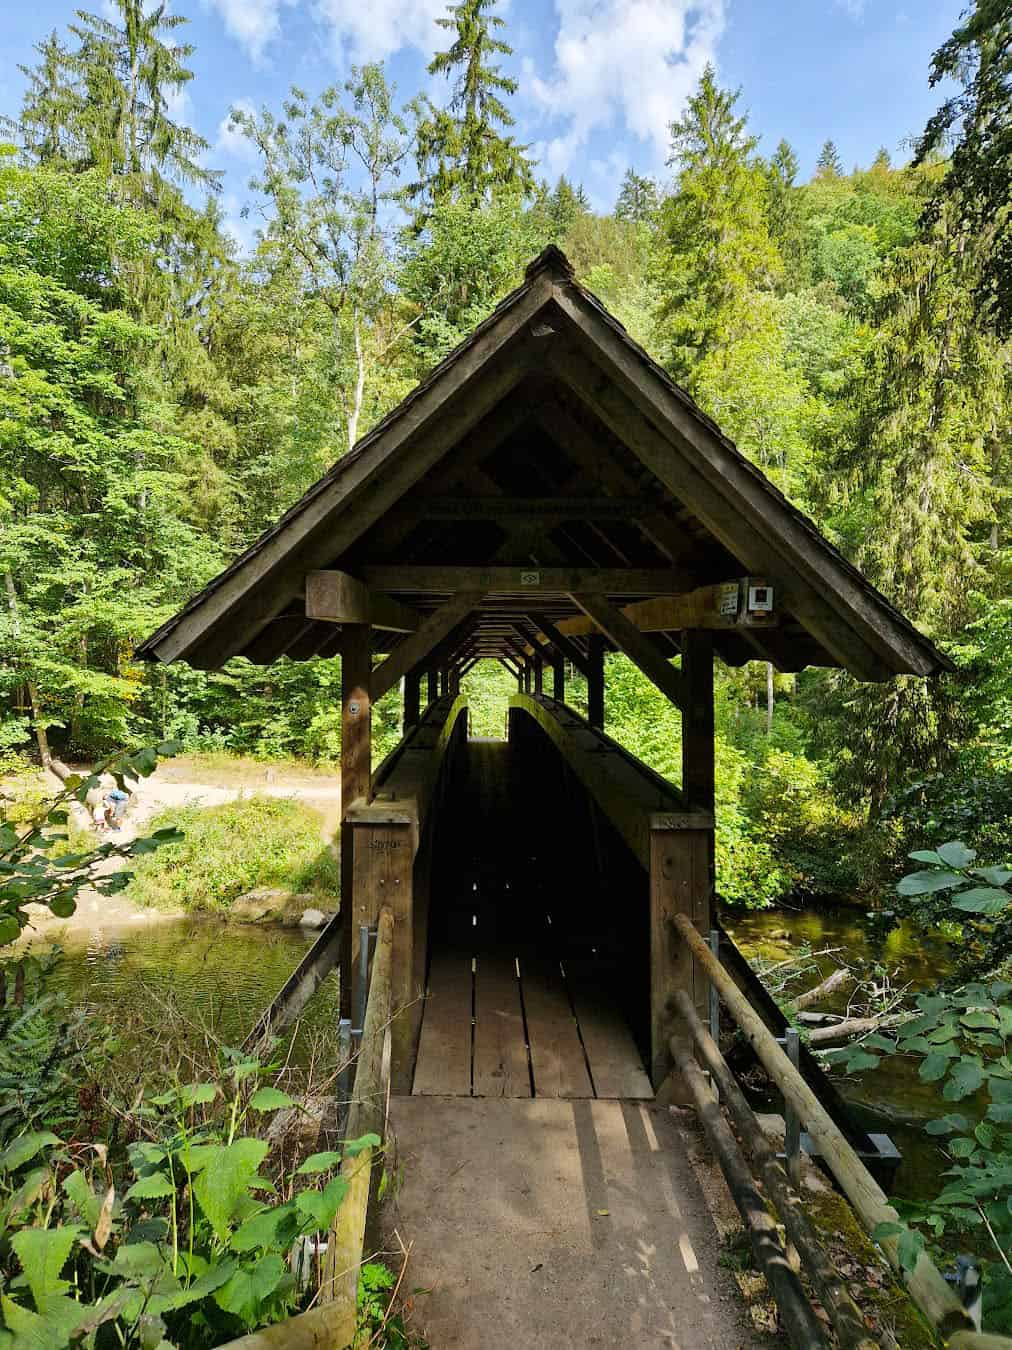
[(831, 1287), (332, 1325), (925, 1282)]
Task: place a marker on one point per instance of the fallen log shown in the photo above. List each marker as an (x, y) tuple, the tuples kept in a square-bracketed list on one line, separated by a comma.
[(847, 1030), (827, 986)]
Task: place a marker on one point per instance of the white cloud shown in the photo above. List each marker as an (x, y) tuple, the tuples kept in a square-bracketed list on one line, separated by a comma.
[(241, 227), (253, 23), (627, 61), (230, 140), (372, 29)]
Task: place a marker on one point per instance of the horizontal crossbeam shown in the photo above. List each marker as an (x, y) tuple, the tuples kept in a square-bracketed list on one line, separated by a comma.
[(339, 598), (603, 580)]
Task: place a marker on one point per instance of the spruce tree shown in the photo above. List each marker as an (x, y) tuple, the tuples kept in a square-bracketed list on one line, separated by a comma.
[(637, 198), (49, 127), (829, 164), (461, 149), (783, 212), (127, 70)]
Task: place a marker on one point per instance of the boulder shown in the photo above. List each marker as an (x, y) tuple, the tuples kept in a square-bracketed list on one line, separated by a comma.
[(312, 918)]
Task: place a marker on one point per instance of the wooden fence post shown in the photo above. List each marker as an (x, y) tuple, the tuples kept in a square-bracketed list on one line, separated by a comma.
[(595, 681), (680, 883)]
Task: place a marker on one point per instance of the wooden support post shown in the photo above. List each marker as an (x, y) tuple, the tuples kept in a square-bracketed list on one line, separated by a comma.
[(559, 678), (444, 684), (412, 699), (356, 775), (680, 883), (386, 842), (697, 719), (595, 681), (433, 685), (539, 675)]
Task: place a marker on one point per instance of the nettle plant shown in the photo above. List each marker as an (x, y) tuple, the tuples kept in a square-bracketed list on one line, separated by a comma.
[(186, 1246), (963, 1039)]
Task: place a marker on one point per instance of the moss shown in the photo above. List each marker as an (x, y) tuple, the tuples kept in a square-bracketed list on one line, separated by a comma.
[(878, 1294)]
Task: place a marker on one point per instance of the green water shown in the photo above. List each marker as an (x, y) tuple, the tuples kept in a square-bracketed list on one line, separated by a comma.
[(891, 1099), (167, 985)]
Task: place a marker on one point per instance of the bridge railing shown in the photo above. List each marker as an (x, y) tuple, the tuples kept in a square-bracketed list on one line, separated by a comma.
[(926, 1284), (332, 1325)]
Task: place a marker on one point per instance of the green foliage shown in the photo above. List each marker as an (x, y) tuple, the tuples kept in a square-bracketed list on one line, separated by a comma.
[(221, 852), (34, 872), (184, 1242), (379, 1323)]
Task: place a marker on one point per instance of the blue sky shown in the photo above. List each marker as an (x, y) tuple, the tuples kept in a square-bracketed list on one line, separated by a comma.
[(600, 79)]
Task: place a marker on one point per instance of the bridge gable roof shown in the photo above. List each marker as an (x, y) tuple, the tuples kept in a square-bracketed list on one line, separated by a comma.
[(598, 459)]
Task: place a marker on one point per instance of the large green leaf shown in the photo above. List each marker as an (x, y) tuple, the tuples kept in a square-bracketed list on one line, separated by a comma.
[(932, 1068), (319, 1162), (43, 1253), (982, 900), (152, 1187), (270, 1099), (956, 854), (927, 881), (244, 1293), (24, 1148), (967, 1077), (225, 1178)]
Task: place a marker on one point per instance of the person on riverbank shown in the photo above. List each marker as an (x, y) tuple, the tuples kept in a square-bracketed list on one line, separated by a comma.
[(115, 803)]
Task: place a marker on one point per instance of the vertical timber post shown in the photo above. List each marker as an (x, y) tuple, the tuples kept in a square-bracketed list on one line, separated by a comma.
[(444, 683), (539, 675), (559, 677), (595, 681), (412, 699), (433, 682), (356, 778)]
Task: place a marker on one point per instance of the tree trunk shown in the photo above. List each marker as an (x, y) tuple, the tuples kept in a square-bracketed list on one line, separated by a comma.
[(356, 405), (30, 685)]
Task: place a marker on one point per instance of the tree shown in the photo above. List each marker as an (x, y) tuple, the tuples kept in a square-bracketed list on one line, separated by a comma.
[(783, 211), (977, 123), (128, 69), (828, 165), (460, 150), (50, 123), (329, 169), (563, 206), (638, 198)]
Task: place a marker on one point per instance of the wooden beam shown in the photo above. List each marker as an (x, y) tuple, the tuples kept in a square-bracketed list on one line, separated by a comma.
[(562, 644), (416, 646), (340, 598), (412, 699), (595, 681), (356, 771), (739, 509), (492, 579), (731, 604), (697, 719), (628, 638), (534, 508)]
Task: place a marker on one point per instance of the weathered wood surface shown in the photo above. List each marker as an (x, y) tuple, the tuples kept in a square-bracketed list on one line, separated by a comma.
[(443, 1067), (680, 887), (558, 1062), (500, 1047), (615, 1062), (803, 1327), (340, 598), (720, 607), (927, 1286), (849, 1325), (521, 580), (413, 649)]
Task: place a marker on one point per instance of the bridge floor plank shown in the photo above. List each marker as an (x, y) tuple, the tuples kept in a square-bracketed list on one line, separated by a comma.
[(558, 1063), (443, 1066), (500, 1044), (614, 1060)]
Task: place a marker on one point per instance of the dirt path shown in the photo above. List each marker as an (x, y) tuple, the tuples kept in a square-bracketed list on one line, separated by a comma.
[(552, 1225)]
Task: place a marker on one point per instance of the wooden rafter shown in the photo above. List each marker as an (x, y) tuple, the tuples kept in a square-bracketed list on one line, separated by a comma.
[(628, 638), (416, 646), (340, 598)]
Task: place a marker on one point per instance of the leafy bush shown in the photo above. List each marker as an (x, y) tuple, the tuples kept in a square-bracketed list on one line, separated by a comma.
[(185, 1243), (228, 850)]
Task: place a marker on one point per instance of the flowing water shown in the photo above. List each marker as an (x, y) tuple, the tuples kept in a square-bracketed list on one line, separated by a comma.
[(891, 1099)]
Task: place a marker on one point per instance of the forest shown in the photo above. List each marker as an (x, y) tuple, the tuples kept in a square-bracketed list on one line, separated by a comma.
[(164, 396), (166, 393)]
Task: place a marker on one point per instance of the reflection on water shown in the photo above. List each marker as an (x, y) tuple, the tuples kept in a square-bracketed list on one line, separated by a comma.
[(890, 1099), (171, 978)]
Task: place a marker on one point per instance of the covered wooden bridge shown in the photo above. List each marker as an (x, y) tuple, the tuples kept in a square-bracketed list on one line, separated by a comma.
[(546, 496)]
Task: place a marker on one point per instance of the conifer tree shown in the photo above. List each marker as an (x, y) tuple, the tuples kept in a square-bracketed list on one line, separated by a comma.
[(829, 164), (461, 149), (128, 70), (50, 124), (637, 199), (783, 211)]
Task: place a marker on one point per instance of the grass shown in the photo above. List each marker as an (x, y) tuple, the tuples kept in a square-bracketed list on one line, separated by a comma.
[(219, 768), (237, 847)]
